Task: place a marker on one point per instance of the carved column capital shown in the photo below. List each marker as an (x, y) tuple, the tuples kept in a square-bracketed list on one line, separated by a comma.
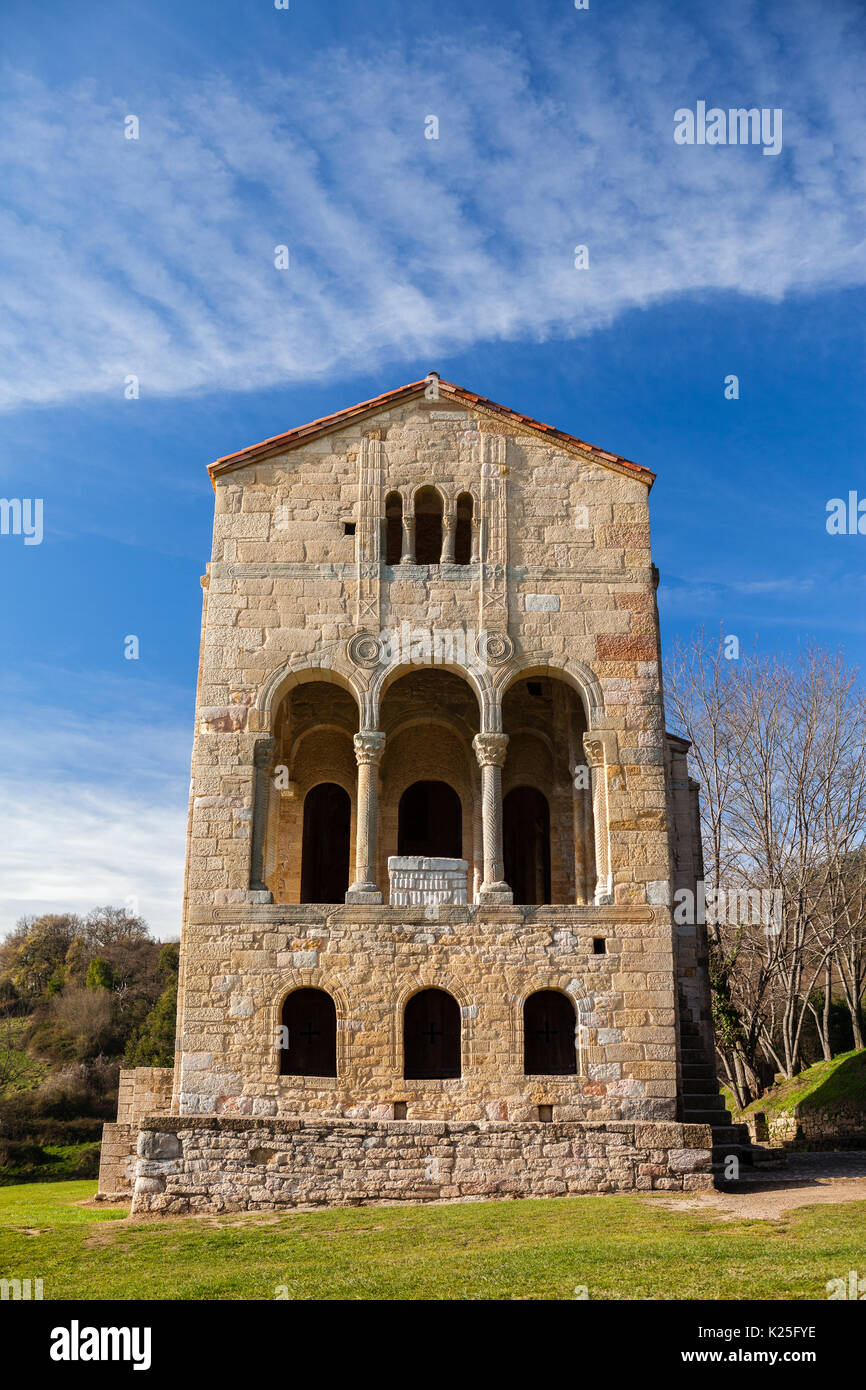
[(490, 749), (263, 752), (593, 746), (369, 746)]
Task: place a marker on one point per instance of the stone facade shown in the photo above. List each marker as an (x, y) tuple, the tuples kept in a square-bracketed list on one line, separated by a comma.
[(429, 596)]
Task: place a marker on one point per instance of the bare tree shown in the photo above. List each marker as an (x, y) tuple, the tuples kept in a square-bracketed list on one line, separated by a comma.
[(778, 745)]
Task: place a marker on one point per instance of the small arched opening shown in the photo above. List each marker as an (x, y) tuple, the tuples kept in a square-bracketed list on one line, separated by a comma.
[(463, 530), (431, 1036), (393, 528), (428, 526), (309, 1041), (548, 1035)]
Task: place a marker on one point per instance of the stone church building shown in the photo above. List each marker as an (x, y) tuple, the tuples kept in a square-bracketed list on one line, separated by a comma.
[(435, 827)]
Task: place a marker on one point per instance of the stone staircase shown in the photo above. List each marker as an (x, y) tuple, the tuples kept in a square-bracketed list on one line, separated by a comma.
[(702, 1103)]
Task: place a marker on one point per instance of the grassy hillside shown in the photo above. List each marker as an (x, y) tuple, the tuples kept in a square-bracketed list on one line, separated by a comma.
[(478, 1251), (820, 1087)]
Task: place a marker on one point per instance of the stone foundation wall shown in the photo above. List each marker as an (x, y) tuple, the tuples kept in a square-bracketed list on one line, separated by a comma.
[(190, 1164), (117, 1159), (842, 1127), (141, 1091)]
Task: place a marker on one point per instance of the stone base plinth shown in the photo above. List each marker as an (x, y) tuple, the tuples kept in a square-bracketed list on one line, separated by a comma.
[(189, 1163)]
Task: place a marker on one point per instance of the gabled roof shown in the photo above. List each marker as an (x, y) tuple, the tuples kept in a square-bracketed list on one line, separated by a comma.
[(448, 392)]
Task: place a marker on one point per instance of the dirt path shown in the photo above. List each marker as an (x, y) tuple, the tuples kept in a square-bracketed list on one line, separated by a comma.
[(808, 1180)]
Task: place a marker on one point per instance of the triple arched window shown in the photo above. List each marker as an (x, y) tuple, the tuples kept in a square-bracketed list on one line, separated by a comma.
[(430, 534)]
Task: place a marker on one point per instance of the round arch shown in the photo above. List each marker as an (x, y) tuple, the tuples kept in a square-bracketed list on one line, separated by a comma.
[(384, 677), (284, 678), (432, 1027), (580, 677)]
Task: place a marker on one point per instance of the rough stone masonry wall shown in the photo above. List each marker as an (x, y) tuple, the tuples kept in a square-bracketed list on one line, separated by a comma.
[(240, 964), (841, 1126), (141, 1091), (189, 1164)]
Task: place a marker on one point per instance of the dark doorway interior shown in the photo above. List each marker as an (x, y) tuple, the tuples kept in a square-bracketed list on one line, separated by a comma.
[(430, 821), (548, 1035), (325, 847), (463, 530), (310, 1018), (393, 528), (428, 526), (431, 1036), (526, 844)]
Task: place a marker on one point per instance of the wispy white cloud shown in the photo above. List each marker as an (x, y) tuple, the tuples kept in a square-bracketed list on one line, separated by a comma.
[(74, 848), (156, 257), (93, 800)]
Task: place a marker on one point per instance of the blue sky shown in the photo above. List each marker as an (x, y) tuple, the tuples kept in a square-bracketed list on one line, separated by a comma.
[(257, 128)]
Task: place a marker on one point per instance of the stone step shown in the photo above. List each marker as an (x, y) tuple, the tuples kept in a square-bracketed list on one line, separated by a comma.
[(703, 1100), (699, 1069), (700, 1086), (707, 1100), (730, 1134), (721, 1153), (717, 1119)]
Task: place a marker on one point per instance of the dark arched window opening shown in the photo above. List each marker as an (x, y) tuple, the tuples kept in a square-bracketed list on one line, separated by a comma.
[(526, 844), (430, 821), (548, 1035), (463, 530), (428, 526), (393, 528), (431, 1036), (325, 846), (309, 1048)]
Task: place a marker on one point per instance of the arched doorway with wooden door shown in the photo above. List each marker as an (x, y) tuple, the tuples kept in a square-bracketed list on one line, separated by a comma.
[(548, 1034), (526, 844), (431, 1036), (549, 846), (325, 847), (309, 1041)]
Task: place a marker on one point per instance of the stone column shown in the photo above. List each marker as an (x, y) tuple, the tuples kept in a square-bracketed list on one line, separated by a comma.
[(588, 846), (475, 556), (477, 844), (369, 746), (578, 818), (596, 757), (408, 555), (490, 752), (449, 524), (263, 757)]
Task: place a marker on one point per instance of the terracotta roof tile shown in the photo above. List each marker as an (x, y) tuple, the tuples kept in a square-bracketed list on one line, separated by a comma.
[(292, 438)]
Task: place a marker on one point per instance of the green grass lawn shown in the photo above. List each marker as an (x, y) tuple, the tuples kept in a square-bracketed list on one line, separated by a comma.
[(619, 1247)]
